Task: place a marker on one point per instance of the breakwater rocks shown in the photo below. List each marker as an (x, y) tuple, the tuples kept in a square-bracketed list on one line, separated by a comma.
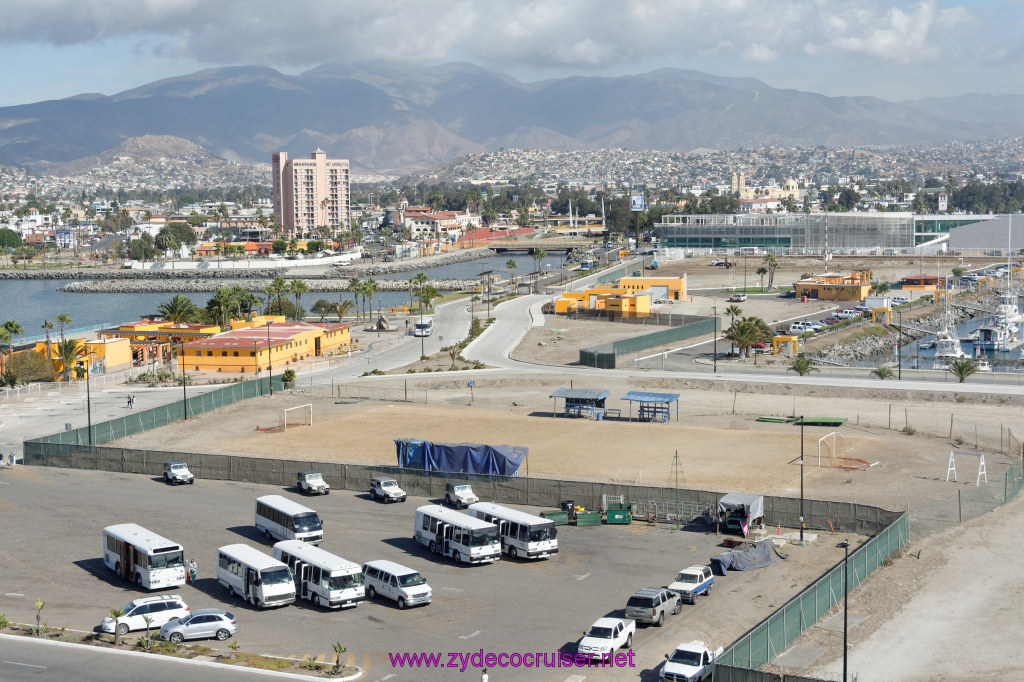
[(123, 274), (416, 264), (194, 285), (875, 346)]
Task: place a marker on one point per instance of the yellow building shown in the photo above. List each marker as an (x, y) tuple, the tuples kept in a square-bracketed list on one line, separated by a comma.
[(672, 288), (111, 354), (833, 286), (628, 305), (253, 349)]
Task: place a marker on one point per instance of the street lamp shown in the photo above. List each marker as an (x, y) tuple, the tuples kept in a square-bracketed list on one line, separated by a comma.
[(714, 331), (184, 394), (801, 480), (88, 395), (899, 350), (845, 544), (270, 362)]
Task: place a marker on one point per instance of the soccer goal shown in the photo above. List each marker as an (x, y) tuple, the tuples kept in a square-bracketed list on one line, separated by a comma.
[(300, 415), (830, 446)]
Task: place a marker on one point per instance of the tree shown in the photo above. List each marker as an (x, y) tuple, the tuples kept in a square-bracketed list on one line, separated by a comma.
[(47, 326), (762, 271), (421, 280), (278, 286), (882, 372), (179, 309), (8, 331), (962, 368), (771, 263), (298, 287), (323, 307), (512, 266), (116, 615), (880, 288), (370, 286), (355, 285), (802, 365), (746, 332), (9, 239), (70, 352), (344, 308), (64, 319), (733, 312), (427, 295)]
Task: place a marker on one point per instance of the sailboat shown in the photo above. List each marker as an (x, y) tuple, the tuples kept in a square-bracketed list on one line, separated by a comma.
[(947, 345)]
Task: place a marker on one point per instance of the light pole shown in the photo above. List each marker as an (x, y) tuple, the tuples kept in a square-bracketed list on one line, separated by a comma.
[(184, 394), (714, 331), (88, 396), (899, 350), (801, 480), (845, 544), (270, 362)]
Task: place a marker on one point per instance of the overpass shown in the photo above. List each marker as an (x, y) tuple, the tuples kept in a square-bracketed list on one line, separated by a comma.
[(535, 244)]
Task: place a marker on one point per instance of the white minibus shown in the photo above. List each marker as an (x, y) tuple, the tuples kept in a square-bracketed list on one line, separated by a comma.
[(260, 579), (522, 534), (152, 561), (457, 535), (321, 577), (424, 328), (397, 582), (282, 519)]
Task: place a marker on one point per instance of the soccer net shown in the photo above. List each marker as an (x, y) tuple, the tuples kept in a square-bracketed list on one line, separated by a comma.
[(300, 415), (830, 446)]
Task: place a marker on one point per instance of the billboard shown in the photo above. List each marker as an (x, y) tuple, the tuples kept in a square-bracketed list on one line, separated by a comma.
[(636, 200)]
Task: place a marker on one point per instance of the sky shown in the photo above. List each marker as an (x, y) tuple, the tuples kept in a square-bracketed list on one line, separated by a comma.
[(897, 51)]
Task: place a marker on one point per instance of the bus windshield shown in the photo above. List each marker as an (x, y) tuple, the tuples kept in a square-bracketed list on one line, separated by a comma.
[(542, 533), (344, 582), (305, 523), (168, 560), (482, 538), (276, 576)]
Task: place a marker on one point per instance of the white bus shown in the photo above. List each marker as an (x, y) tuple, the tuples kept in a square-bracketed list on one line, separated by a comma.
[(522, 534), (457, 535), (425, 327), (259, 579), (133, 552), (282, 519), (321, 577)]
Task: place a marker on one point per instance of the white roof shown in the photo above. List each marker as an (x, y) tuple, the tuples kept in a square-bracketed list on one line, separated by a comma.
[(507, 514), (145, 540), (311, 554), (390, 567), (251, 557), (284, 505), (454, 517)]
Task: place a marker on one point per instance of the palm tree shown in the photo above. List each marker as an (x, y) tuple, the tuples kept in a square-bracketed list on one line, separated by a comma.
[(733, 312), (428, 294), (511, 265), (355, 285), (412, 287), (11, 328), (880, 288), (47, 326), (298, 287), (771, 263), (962, 368), (762, 271), (178, 309), (116, 615), (746, 332), (802, 365), (370, 286), (70, 351), (278, 286), (882, 372), (63, 318), (343, 308)]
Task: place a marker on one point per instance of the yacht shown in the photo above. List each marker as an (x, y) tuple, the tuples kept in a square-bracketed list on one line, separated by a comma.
[(947, 349)]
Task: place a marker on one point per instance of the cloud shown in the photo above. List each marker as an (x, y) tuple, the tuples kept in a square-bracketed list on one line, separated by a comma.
[(588, 35)]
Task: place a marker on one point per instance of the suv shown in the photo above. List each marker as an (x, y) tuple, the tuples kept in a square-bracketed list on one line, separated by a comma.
[(161, 610), (203, 624), (650, 604), (312, 483), (693, 582), (459, 494), (386, 488), (177, 472)]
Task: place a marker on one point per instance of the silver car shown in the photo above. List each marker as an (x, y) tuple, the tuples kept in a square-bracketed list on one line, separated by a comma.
[(202, 624)]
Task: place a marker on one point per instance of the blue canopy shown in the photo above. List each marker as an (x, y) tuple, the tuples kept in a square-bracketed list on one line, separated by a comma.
[(469, 458)]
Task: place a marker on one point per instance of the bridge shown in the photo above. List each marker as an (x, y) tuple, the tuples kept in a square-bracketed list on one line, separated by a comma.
[(536, 244)]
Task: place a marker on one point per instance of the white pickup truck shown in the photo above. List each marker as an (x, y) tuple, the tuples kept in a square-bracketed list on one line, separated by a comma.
[(605, 636), (691, 661)]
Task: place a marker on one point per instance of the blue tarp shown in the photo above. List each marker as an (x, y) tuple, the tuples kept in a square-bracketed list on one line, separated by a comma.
[(754, 555), (468, 458)]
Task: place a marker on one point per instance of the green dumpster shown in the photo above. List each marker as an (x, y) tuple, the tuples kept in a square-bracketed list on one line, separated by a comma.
[(588, 518), (619, 513), (560, 518)]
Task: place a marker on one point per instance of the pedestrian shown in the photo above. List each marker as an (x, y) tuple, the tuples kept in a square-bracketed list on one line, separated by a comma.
[(188, 572), (483, 676), (129, 402), (192, 569)]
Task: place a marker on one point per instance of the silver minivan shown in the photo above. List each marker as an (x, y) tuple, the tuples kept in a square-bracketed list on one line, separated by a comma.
[(397, 582)]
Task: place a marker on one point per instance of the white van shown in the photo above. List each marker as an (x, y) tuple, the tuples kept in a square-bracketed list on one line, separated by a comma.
[(396, 582), (321, 577), (260, 579), (799, 328)]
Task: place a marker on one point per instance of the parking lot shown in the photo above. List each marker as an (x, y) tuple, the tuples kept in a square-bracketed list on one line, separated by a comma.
[(54, 517)]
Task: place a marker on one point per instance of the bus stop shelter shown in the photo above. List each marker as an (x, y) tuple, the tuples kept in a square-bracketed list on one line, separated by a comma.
[(582, 402), (654, 407)]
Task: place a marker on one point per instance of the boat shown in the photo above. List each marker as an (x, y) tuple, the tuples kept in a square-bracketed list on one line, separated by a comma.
[(947, 349), (926, 345), (996, 337), (982, 364)]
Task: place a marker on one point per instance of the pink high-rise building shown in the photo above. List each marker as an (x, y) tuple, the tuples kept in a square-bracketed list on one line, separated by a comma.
[(310, 193)]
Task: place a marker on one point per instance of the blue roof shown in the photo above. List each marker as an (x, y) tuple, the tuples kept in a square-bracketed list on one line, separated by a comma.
[(581, 393), (645, 397)]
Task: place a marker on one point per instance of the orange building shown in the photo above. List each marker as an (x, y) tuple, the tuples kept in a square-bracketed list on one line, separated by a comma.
[(254, 348), (833, 286)]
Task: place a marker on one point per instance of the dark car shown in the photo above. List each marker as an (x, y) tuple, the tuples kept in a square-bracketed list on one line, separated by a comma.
[(789, 293)]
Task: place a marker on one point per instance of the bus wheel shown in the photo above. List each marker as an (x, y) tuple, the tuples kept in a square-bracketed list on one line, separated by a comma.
[(457, 557), (513, 552), (316, 600), (259, 603)]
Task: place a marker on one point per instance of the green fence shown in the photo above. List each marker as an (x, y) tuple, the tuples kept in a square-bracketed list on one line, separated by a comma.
[(769, 638), (143, 420), (606, 355)]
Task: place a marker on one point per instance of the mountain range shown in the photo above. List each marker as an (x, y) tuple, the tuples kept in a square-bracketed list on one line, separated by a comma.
[(400, 119)]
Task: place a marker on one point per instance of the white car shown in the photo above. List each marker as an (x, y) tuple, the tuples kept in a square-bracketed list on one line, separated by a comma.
[(386, 488), (847, 314), (177, 472), (460, 495), (160, 610)]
